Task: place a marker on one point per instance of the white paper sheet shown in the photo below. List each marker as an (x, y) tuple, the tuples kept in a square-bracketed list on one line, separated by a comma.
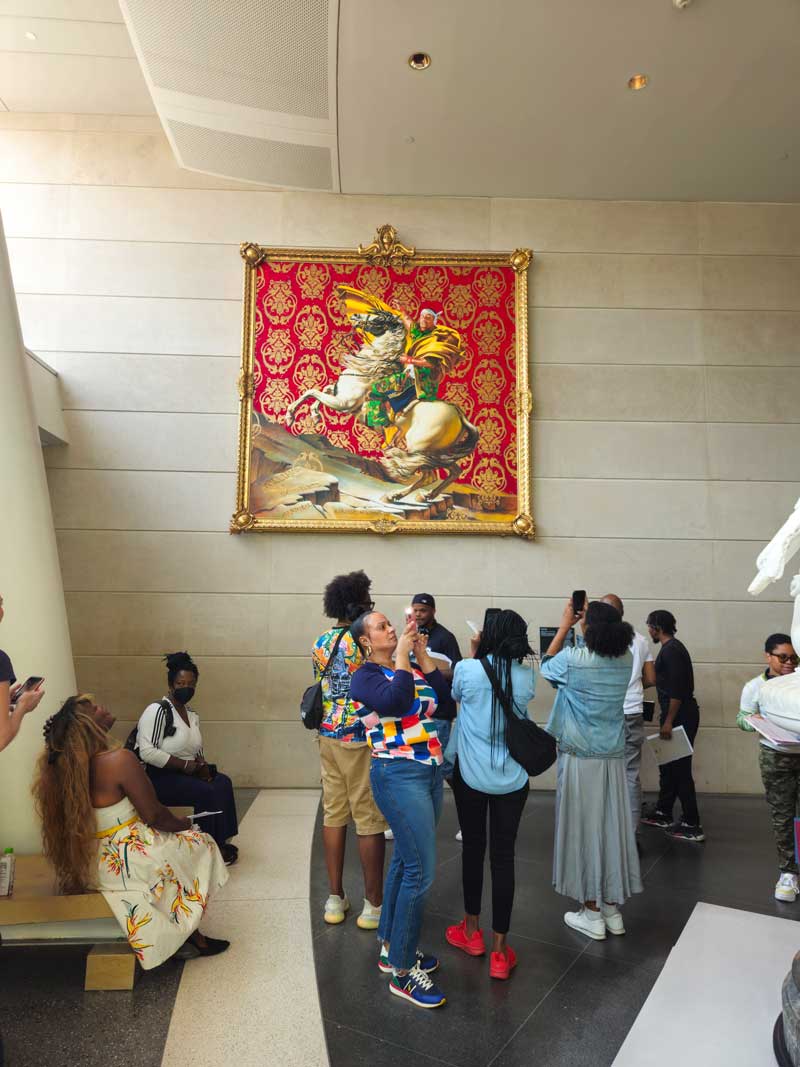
[(676, 748), (773, 733)]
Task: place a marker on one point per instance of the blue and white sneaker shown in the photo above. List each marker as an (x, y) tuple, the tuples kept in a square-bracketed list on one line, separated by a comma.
[(428, 964), (417, 988)]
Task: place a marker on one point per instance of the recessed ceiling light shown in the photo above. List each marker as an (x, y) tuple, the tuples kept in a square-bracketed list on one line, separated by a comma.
[(419, 60), (30, 35), (638, 81)]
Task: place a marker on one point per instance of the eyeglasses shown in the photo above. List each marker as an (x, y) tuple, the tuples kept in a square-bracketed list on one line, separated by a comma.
[(783, 658)]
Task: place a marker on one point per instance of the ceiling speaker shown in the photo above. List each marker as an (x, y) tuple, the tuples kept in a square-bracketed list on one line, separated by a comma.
[(244, 88)]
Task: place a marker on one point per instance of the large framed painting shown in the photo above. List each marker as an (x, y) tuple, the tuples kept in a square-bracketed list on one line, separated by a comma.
[(384, 389)]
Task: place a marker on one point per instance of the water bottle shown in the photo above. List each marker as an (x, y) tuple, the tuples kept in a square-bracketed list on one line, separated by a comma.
[(7, 862)]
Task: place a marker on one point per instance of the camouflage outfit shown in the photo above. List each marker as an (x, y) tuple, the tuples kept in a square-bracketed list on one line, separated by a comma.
[(780, 773)]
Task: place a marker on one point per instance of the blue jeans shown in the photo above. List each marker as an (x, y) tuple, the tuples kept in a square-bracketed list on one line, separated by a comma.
[(409, 794), (443, 729)]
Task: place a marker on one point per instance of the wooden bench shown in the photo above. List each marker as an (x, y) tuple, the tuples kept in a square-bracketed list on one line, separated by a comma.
[(36, 899)]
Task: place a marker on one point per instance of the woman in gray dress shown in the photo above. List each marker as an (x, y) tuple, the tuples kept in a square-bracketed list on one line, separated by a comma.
[(595, 861)]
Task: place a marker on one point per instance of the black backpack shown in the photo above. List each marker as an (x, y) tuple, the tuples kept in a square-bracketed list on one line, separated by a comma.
[(531, 746), (311, 709), (169, 728)]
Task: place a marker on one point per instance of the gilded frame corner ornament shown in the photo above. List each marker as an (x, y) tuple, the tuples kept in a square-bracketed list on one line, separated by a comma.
[(385, 250)]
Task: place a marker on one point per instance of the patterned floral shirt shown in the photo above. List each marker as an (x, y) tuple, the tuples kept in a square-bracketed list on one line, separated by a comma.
[(398, 709), (340, 715)]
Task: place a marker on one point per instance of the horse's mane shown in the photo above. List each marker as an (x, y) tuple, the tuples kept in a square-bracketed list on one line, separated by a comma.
[(377, 357)]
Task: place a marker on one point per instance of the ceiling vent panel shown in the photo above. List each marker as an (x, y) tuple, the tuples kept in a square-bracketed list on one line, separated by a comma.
[(296, 166), (245, 89)]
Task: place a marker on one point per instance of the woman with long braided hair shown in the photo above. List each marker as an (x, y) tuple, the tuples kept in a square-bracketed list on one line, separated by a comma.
[(487, 780), (104, 828)]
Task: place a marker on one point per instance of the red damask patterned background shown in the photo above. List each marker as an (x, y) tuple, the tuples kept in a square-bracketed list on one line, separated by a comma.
[(302, 333)]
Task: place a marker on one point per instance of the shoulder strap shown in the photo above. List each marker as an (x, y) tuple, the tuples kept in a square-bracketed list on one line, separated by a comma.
[(169, 718), (334, 650), (498, 692)]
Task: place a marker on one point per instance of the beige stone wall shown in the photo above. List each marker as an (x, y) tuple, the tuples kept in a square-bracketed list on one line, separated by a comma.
[(665, 367)]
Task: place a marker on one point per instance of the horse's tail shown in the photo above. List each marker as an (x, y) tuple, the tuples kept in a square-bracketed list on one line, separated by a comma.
[(400, 465)]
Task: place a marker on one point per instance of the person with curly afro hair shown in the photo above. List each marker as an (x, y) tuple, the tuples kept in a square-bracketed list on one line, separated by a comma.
[(345, 757)]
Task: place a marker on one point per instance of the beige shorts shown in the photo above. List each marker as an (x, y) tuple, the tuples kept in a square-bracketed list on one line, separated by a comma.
[(346, 792)]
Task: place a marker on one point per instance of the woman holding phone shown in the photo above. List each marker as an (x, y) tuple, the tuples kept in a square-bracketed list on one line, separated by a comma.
[(595, 861), (16, 700), (487, 781), (398, 703)]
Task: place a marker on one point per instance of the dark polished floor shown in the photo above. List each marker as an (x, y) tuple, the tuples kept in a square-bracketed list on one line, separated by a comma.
[(571, 1001), (47, 1020)]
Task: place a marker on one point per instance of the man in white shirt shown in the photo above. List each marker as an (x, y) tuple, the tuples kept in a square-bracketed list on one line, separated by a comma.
[(643, 676)]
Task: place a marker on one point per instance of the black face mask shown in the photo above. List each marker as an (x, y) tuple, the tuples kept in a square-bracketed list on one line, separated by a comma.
[(184, 694)]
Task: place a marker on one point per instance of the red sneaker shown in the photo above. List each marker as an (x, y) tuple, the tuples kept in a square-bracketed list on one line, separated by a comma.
[(501, 964), (457, 935)]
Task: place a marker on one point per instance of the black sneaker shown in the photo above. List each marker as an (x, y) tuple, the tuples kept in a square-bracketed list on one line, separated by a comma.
[(682, 831), (653, 817)]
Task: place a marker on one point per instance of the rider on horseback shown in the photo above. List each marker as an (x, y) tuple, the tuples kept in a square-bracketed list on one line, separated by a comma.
[(432, 349)]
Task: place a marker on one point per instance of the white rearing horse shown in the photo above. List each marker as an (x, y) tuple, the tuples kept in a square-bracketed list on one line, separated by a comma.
[(375, 359), (437, 433)]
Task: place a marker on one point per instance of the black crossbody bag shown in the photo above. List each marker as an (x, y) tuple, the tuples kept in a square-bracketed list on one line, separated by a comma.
[(531, 746), (311, 710)]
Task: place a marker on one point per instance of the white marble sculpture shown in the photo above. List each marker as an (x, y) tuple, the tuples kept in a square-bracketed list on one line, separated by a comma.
[(780, 700)]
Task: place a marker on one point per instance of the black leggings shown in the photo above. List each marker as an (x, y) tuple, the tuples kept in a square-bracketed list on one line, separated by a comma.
[(505, 812)]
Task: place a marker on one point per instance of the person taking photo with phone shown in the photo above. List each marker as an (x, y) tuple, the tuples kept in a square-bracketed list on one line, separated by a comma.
[(16, 699), (596, 861), (398, 703)]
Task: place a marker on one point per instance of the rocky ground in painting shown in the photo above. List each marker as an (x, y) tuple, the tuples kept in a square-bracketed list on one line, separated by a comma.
[(306, 477)]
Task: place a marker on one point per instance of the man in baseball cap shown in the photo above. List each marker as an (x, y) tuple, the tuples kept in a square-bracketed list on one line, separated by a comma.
[(439, 638)]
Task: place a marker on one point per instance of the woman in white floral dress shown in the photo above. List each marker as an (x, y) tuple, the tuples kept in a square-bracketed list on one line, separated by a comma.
[(104, 828)]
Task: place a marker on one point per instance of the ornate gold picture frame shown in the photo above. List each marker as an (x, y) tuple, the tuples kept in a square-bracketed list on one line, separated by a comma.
[(385, 390)]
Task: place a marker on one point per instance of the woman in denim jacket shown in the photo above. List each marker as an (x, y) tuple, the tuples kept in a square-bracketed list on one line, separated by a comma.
[(595, 860)]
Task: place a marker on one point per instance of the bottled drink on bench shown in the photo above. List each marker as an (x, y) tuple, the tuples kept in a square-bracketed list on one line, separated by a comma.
[(7, 862)]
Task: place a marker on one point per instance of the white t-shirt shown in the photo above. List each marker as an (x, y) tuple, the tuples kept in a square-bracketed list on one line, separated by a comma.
[(155, 748), (641, 652), (749, 705)]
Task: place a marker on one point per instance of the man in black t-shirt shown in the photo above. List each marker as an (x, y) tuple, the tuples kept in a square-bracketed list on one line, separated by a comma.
[(675, 687), (439, 638)]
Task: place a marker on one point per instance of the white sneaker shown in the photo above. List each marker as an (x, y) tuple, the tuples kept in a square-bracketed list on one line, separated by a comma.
[(612, 917), (459, 837), (336, 908), (787, 887), (388, 835), (587, 922), (369, 917)]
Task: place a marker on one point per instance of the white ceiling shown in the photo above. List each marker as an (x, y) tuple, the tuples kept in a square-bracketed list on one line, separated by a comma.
[(523, 98), (81, 61), (530, 98)]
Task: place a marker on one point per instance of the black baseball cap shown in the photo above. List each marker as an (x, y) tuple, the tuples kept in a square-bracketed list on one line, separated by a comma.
[(424, 598)]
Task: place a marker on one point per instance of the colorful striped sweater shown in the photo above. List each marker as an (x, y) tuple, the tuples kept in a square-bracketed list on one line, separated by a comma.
[(397, 711)]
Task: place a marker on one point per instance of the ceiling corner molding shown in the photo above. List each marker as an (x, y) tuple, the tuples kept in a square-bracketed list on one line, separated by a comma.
[(244, 90)]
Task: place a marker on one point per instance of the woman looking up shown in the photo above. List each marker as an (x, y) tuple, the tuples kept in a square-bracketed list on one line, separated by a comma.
[(169, 742), (487, 780), (104, 828), (398, 703), (596, 861), (344, 755)]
